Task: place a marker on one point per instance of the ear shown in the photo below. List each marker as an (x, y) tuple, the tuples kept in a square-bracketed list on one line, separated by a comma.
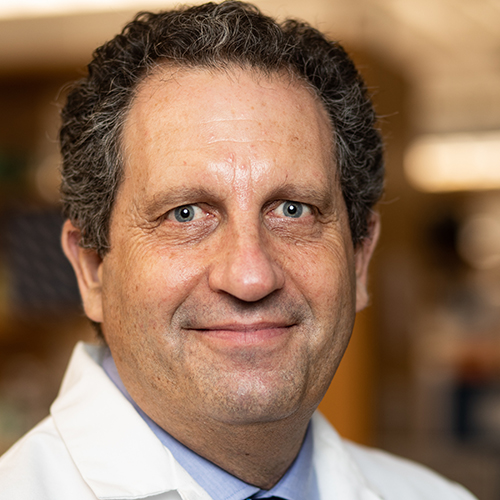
[(87, 266), (362, 256)]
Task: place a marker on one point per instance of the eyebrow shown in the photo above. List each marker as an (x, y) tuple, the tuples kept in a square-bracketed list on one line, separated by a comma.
[(323, 199)]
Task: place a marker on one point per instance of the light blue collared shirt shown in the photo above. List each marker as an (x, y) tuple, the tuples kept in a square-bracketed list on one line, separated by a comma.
[(298, 483)]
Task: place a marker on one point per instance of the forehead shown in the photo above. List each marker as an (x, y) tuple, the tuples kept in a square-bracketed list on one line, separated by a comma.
[(178, 83), (175, 96), (237, 116)]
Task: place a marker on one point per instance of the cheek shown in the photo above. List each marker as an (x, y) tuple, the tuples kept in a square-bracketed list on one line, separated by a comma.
[(324, 273), (325, 276), (145, 287)]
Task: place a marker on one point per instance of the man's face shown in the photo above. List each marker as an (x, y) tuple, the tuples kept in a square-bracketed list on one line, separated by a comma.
[(229, 292)]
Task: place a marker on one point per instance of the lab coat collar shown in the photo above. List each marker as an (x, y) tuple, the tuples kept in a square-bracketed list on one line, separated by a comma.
[(111, 445), (338, 474)]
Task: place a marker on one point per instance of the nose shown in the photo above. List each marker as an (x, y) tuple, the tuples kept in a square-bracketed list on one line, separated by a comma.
[(245, 269)]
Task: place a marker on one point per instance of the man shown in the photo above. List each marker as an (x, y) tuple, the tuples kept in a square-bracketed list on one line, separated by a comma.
[(219, 176)]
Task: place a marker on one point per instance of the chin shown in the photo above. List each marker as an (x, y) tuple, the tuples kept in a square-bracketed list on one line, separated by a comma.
[(253, 402)]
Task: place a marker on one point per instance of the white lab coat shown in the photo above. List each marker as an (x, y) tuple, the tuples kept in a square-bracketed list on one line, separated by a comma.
[(95, 445)]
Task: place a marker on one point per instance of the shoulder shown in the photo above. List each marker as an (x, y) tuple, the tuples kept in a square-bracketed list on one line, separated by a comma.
[(397, 478), (39, 462), (390, 477)]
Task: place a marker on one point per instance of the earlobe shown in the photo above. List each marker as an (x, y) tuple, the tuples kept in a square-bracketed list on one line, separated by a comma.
[(363, 254), (87, 266)]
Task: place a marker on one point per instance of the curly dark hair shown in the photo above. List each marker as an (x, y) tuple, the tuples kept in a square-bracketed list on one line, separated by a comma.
[(212, 36)]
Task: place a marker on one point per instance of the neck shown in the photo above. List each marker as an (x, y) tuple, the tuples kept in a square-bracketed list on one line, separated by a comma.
[(258, 454)]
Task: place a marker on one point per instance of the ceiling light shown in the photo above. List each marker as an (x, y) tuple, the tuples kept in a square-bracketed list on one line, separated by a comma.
[(454, 162)]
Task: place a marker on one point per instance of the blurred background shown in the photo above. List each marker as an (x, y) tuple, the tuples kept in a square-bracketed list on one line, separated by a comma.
[(421, 377)]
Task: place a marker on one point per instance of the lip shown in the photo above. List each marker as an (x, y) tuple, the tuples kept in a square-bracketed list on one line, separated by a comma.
[(246, 333)]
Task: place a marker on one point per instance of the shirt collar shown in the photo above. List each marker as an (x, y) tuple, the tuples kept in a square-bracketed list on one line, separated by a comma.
[(299, 481)]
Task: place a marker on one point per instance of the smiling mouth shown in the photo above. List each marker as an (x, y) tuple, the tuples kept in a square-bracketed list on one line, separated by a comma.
[(254, 333)]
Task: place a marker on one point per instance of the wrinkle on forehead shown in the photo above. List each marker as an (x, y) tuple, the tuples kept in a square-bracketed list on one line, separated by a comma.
[(244, 120)]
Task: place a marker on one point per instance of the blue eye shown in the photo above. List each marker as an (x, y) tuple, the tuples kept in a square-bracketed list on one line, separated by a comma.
[(186, 213), (292, 209)]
